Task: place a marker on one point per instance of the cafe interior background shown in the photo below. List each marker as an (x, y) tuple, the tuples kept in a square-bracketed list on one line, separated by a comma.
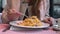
[(54, 10)]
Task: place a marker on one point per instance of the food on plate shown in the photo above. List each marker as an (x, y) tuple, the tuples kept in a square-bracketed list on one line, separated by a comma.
[(31, 21)]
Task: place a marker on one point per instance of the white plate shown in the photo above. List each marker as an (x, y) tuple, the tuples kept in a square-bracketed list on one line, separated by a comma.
[(14, 23)]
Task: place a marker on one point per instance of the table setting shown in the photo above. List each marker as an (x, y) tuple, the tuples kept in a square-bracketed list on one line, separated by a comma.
[(18, 27)]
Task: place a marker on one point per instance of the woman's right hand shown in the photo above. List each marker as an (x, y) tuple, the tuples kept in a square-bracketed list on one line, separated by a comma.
[(12, 14)]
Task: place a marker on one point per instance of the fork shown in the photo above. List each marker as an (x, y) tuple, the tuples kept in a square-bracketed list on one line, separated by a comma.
[(24, 15)]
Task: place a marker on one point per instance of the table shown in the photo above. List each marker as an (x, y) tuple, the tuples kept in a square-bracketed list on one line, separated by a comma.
[(3, 26)]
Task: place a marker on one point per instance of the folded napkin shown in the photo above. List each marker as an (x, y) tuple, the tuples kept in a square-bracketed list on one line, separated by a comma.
[(3, 26)]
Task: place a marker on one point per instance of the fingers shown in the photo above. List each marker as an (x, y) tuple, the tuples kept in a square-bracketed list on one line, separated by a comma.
[(13, 11), (46, 20), (13, 14)]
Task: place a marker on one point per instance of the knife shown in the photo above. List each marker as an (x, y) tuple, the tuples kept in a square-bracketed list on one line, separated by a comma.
[(6, 29)]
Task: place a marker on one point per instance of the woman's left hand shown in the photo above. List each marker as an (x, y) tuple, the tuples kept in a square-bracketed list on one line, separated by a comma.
[(48, 20)]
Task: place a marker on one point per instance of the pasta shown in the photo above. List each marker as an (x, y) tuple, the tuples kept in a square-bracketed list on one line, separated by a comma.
[(31, 21)]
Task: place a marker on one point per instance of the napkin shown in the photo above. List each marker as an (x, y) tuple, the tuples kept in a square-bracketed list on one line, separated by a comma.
[(3, 26)]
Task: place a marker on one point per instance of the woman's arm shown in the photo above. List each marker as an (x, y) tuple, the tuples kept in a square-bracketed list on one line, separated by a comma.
[(12, 7)]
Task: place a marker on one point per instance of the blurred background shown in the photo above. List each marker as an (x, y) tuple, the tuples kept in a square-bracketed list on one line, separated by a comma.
[(1, 6), (55, 8)]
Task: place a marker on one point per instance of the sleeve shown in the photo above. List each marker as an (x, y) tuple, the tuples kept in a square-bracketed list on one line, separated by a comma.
[(44, 9), (47, 5)]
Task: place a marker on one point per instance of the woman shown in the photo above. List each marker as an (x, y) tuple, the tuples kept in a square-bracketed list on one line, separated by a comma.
[(39, 7)]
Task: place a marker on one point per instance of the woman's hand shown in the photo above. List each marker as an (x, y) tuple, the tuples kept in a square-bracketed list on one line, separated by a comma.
[(12, 14), (48, 20)]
